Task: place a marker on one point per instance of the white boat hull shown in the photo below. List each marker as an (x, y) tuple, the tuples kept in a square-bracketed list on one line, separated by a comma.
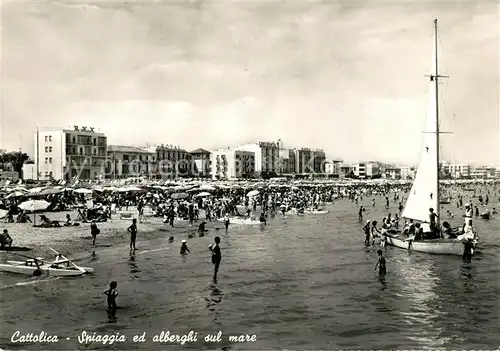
[(240, 221), (317, 212), (435, 246), (21, 268)]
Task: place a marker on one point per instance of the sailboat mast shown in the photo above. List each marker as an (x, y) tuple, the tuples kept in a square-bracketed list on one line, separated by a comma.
[(436, 76)]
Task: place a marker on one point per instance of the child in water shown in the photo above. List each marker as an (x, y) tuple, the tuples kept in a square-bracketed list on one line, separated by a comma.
[(184, 248), (381, 263), (112, 294)]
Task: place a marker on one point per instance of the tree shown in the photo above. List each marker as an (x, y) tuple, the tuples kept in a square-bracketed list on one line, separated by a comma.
[(14, 160)]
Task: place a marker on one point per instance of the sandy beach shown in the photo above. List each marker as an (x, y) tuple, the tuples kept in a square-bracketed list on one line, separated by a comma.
[(114, 231)]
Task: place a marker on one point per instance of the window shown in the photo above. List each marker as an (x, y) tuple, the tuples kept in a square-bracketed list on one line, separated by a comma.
[(46, 160), (50, 148), (50, 159), (46, 139), (46, 149), (50, 137), (50, 174), (74, 140), (81, 151)]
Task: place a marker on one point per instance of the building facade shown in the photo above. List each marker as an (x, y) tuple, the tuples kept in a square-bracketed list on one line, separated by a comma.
[(64, 154), (309, 161), (407, 172), (368, 170), (29, 171), (129, 161), (173, 162), (392, 173), (333, 168), (483, 172), (267, 157), (200, 163), (232, 164)]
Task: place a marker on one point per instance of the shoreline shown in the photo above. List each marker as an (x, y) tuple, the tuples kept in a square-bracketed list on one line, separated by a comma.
[(113, 232)]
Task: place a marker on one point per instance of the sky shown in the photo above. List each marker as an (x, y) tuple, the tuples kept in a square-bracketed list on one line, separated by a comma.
[(347, 77)]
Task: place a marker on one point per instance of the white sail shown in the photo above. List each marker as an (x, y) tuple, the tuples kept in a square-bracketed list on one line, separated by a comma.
[(423, 194)]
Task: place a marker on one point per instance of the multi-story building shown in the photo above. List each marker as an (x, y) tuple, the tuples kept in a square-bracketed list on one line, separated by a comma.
[(309, 161), (407, 172), (333, 168), (392, 173), (483, 172), (129, 161), (173, 162), (283, 159), (458, 170), (267, 157), (232, 164), (200, 163), (368, 170), (64, 153)]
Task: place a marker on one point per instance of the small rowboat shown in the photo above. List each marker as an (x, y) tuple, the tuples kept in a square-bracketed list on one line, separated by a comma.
[(316, 211), (36, 266), (64, 268), (241, 221)]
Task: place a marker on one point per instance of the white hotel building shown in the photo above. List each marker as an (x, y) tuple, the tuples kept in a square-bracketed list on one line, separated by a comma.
[(66, 153), (232, 164)]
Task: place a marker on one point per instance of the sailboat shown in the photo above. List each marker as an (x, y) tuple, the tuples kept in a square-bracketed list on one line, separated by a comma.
[(424, 193)]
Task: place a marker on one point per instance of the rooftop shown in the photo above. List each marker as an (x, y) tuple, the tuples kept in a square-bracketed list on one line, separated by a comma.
[(200, 151), (128, 149)]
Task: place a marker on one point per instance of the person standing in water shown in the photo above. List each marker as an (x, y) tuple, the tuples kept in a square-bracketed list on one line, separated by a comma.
[(367, 229), (360, 213), (262, 218), (226, 222), (184, 248), (374, 231), (94, 231), (112, 293), (133, 233), (216, 256), (381, 263)]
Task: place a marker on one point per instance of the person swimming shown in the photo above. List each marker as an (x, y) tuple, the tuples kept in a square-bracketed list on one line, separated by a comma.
[(111, 294), (184, 248)]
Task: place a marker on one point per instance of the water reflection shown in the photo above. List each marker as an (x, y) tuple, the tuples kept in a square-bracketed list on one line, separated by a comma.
[(213, 300), (133, 263), (419, 292)]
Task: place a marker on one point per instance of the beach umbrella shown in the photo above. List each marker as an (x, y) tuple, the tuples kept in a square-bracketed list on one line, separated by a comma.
[(134, 188), (3, 213), (253, 193), (34, 205), (15, 194), (35, 190), (50, 191), (206, 187), (203, 194), (178, 196), (83, 191)]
